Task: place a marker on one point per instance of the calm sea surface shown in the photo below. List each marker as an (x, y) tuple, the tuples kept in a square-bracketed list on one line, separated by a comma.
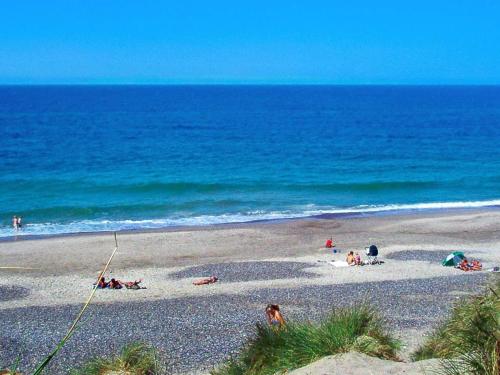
[(94, 158)]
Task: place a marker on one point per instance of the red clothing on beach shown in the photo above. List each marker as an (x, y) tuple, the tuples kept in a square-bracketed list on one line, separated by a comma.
[(329, 243)]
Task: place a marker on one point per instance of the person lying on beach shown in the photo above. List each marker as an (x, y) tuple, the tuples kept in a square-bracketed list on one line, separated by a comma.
[(274, 317), (115, 284), (475, 265), (102, 284), (351, 260), (208, 280), (132, 284)]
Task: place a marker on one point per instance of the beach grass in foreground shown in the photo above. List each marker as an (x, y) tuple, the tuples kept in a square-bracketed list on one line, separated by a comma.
[(135, 359), (469, 341), (295, 345)]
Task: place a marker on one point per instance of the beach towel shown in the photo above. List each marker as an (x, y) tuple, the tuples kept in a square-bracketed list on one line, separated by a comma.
[(339, 263)]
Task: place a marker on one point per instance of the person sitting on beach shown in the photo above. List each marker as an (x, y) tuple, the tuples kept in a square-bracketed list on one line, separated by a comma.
[(329, 243), (208, 280), (115, 284), (357, 260), (102, 284), (475, 265), (350, 258), (464, 265), (274, 317)]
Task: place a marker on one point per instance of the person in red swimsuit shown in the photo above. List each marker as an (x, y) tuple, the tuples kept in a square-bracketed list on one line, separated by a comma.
[(329, 243)]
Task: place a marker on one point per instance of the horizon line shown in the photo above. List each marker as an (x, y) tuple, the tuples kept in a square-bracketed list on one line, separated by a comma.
[(256, 84)]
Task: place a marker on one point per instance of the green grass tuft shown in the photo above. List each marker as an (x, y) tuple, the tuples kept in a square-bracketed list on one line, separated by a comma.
[(469, 341), (134, 359), (298, 344)]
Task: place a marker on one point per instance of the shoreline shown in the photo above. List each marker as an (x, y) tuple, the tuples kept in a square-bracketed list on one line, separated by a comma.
[(201, 227), (475, 231)]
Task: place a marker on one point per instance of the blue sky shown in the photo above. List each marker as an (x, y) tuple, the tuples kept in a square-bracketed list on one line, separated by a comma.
[(339, 42)]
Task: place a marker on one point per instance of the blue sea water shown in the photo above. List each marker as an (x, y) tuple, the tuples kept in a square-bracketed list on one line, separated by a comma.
[(92, 158)]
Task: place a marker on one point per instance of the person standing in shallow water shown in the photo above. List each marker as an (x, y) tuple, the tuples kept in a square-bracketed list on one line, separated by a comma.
[(19, 224), (14, 222)]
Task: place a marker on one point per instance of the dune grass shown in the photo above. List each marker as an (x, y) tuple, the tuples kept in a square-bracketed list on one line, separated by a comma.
[(358, 328), (469, 341), (134, 359)]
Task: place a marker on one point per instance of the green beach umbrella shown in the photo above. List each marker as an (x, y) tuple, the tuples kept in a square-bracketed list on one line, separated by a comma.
[(453, 259)]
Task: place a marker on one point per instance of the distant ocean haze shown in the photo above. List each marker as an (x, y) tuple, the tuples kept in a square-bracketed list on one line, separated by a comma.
[(92, 158)]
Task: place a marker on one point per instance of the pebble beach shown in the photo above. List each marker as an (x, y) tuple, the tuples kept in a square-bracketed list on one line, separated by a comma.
[(196, 328)]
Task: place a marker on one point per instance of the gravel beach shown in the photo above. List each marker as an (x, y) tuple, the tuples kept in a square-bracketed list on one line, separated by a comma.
[(420, 255), (198, 332), (247, 271), (197, 327), (12, 292)]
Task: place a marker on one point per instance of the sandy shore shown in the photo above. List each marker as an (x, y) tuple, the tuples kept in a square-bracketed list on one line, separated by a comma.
[(283, 263)]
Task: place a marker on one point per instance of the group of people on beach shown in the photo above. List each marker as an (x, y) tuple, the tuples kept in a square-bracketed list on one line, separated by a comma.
[(473, 265), (117, 284), (17, 222), (352, 259), (273, 315)]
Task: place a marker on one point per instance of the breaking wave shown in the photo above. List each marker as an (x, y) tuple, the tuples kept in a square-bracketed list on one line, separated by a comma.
[(82, 226)]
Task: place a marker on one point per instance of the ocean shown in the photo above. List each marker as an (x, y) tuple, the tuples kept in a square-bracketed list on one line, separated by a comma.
[(99, 158)]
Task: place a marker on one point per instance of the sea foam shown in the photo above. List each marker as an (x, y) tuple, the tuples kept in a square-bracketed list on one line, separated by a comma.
[(311, 210)]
